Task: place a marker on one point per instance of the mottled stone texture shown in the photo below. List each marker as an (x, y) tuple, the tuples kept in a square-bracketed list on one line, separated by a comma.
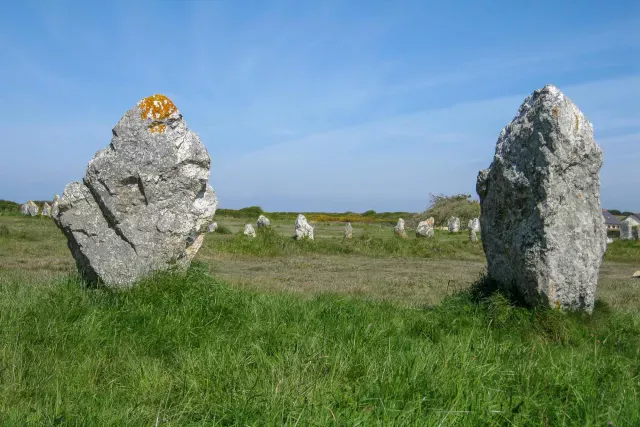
[(46, 209), (425, 229), (263, 221), (29, 209), (303, 228), (144, 203), (626, 229), (474, 224), (541, 223), (212, 227), (55, 207), (249, 230), (453, 224), (399, 229), (348, 231)]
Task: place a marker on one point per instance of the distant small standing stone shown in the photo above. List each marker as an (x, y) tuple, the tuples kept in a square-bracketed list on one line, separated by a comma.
[(425, 229), (348, 231), (263, 221), (626, 230), (472, 235), (55, 207), (609, 240), (212, 227), (46, 209), (29, 209), (474, 224), (399, 229), (249, 230), (303, 228), (454, 224)]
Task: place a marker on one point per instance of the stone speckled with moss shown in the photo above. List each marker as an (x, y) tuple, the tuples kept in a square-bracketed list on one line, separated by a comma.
[(29, 209), (249, 231), (46, 209), (453, 224), (348, 231), (144, 203), (425, 229), (399, 229), (304, 230), (263, 221), (541, 223)]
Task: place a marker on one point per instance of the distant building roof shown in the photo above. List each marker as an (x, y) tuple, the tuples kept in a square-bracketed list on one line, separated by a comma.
[(610, 219), (635, 216)]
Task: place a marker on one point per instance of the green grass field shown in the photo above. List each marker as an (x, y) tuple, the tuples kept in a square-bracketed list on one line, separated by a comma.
[(373, 331)]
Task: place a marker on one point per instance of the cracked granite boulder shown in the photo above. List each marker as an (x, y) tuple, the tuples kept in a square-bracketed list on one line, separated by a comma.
[(144, 203), (541, 223)]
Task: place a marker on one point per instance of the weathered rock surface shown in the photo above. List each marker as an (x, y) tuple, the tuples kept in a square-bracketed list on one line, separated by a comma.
[(249, 230), (431, 221), (636, 275), (212, 227), (29, 209), (399, 229), (55, 206), (454, 224), (542, 225), (348, 231), (144, 202), (425, 229), (263, 221), (303, 228), (474, 224), (46, 209), (626, 230)]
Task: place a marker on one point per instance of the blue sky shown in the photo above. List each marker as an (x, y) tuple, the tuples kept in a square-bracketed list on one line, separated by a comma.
[(315, 106)]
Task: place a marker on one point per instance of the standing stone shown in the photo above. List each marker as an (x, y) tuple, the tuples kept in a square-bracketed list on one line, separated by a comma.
[(55, 206), (263, 221), (303, 228), (453, 224), (399, 229), (474, 224), (249, 230), (425, 229), (348, 231), (626, 230), (609, 240), (144, 202), (46, 209), (472, 235), (212, 227), (29, 209), (542, 224)]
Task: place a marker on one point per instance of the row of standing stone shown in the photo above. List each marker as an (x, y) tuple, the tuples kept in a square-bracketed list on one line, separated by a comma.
[(32, 209), (426, 228)]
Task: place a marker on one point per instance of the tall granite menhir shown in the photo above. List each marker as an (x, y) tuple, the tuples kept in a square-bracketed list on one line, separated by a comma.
[(541, 222), (144, 203)]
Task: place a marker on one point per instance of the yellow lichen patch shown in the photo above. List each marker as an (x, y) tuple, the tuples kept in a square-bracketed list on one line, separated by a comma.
[(554, 111), (156, 107), (577, 123), (157, 128)]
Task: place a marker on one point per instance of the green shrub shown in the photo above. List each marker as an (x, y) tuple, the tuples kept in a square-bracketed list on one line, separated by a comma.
[(223, 230), (442, 207)]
